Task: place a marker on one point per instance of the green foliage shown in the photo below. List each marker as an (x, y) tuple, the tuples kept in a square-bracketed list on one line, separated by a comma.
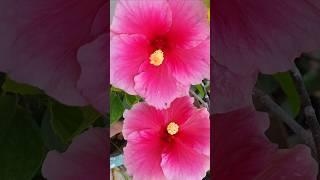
[(119, 101), (131, 100), (22, 150), (199, 90), (50, 139), (287, 85), (116, 107), (19, 88), (311, 80), (68, 121)]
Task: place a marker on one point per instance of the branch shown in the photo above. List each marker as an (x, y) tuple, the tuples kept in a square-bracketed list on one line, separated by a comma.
[(206, 96), (309, 113), (265, 102), (195, 95)]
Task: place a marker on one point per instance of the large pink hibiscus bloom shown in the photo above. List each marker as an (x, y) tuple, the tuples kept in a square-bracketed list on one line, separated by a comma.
[(85, 159), (255, 36), (159, 48), (263, 35), (57, 46), (242, 151), (167, 144)]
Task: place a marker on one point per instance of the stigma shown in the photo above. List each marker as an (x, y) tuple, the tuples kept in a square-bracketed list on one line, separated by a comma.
[(172, 128), (157, 57)]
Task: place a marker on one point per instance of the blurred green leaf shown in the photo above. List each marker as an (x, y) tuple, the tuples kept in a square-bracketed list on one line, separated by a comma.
[(116, 107), (68, 121), (287, 85), (267, 83), (311, 81), (19, 88), (50, 138), (22, 150)]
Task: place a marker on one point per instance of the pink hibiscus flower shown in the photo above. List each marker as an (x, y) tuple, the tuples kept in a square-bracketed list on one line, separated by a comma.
[(167, 144), (242, 151), (159, 48), (85, 159), (263, 35), (57, 46)]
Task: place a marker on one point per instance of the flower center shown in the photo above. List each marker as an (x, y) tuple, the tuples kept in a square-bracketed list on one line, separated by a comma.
[(157, 57), (172, 128)]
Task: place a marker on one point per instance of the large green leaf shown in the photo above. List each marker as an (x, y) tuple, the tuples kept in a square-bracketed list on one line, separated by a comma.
[(50, 138), (287, 85), (21, 147), (68, 121), (19, 88), (116, 107)]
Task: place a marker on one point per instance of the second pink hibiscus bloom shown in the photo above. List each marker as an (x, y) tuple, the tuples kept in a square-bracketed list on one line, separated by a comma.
[(167, 144)]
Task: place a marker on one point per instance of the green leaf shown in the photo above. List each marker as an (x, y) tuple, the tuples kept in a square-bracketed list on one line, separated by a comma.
[(115, 89), (311, 81), (130, 99), (19, 88), (267, 83), (69, 121), (200, 90), (287, 85), (22, 150), (50, 138), (116, 107)]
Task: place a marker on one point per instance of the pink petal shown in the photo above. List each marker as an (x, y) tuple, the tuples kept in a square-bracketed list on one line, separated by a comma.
[(191, 66), (241, 148), (242, 151), (93, 79), (85, 159), (128, 52), (142, 156), (157, 85), (296, 163), (190, 25), (182, 162), (40, 40), (230, 91), (264, 35), (151, 18), (180, 110), (99, 25), (195, 132), (142, 117)]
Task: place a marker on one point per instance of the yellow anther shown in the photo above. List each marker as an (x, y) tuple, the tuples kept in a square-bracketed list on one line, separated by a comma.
[(172, 128), (157, 57)]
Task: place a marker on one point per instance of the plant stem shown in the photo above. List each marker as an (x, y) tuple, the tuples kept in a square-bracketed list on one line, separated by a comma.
[(309, 112), (265, 102), (195, 95)]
